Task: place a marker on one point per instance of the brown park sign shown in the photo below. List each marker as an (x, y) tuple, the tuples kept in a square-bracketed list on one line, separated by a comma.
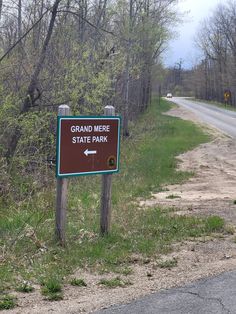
[(87, 145)]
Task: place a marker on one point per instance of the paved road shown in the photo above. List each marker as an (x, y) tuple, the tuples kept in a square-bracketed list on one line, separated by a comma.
[(224, 120), (216, 295)]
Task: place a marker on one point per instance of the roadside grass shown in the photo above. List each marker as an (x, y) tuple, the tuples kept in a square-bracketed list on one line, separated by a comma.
[(126, 271), (78, 282), (148, 162), (172, 196), (169, 263), (52, 289), (114, 282), (7, 302), (216, 103), (25, 287), (215, 223)]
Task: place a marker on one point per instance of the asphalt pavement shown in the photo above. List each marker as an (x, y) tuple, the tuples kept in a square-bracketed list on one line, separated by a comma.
[(215, 295), (222, 119)]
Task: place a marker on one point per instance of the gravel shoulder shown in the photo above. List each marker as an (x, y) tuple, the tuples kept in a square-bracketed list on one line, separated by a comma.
[(210, 192), (212, 189)]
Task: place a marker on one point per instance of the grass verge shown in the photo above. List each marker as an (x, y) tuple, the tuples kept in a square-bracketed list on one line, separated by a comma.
[(7, 302), (170, 263), (52, 289), (78, 282), (147, 163), (114, 282), (216, 103), (25, 287)]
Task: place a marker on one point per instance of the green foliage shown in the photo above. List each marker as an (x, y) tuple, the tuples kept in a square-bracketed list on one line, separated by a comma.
[(36, 146), (9, 120), (85, 83)]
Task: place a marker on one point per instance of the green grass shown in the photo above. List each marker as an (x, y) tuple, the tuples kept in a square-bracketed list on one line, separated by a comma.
[(126, 271), (78, 282), (7, 302), (172, 196), (215, 224), (216, 103), (114, 283), (147, 163), (25, 288), (52, 289)]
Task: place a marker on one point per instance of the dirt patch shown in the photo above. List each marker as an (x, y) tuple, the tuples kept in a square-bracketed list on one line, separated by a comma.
[(212, 189), (210, 192)]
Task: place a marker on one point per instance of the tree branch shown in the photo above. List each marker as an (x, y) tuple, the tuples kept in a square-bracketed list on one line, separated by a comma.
[(24, 35), (89, 23)]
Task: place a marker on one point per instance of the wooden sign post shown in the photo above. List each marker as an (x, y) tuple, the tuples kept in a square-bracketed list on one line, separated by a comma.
[(105, 218), (86, 146), (61, 198)]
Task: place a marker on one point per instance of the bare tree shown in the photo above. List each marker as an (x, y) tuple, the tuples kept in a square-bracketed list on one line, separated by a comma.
[(217, 41), (66, 55), (1, 4), (33, 85)]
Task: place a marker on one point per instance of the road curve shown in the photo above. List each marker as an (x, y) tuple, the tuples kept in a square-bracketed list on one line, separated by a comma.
[(222, 119), (213, 295)]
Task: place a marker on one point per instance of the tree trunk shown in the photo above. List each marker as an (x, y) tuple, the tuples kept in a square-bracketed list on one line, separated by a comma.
[(19, 20), (32, 88), (126, 107), (1, 3), (127, 73)]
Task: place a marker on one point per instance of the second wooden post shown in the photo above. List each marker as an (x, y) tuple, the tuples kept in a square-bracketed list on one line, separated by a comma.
[(105, 218)]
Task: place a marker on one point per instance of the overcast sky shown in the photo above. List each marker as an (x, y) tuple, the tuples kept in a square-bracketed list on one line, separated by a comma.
[(183, 47)]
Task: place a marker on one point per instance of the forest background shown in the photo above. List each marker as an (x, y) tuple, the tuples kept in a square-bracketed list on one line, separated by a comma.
[(87, 54)]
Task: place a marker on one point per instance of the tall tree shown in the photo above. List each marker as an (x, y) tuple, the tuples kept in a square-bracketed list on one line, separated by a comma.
[(31, 96)]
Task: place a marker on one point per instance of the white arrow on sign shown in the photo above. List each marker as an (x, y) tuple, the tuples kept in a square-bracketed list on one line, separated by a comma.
[(90, 152)]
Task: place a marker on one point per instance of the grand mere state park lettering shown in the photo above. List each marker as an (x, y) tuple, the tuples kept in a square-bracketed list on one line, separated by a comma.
[(87, 145)]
